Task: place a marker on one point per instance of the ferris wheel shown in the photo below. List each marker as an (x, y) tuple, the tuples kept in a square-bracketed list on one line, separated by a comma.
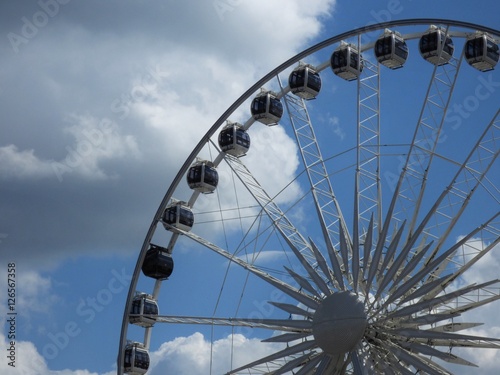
[(335, 212)]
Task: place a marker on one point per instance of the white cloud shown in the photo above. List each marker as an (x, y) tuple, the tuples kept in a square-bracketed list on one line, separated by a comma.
[(36, 294), (94, 141), (274, 160), (15, 163), (192, 355), (27, 361), (337, 128)]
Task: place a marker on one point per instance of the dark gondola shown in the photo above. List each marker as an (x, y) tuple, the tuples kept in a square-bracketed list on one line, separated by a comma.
[(178, 215), (135, 359), (391, 50), (145, 309), (234, 140), (267, 108), (435, 46), (481, 52), (158, 263), (202, 177), (346, 62), (305, 82)]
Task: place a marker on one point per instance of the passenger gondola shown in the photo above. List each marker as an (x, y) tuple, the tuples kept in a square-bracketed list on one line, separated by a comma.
[(347, 62), (202, 176), (305, 82), (178, 215), (144, 310), (391, 49), (135, 359), (435, 46), (234, 140), (158, 263), (267, 108), (481, 52)]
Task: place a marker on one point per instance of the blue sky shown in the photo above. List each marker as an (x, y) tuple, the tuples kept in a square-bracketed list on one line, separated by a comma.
[(142, 81)]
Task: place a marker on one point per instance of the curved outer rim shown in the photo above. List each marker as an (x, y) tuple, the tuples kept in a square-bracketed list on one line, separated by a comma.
[(247, 94)]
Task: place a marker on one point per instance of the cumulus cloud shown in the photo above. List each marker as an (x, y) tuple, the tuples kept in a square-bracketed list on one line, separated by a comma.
[(115, 99), (22, 163), (28, 361), (195, 355), (94, 141)]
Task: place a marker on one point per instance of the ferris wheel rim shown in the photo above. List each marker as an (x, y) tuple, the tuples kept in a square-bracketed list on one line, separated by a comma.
[(246, 95)]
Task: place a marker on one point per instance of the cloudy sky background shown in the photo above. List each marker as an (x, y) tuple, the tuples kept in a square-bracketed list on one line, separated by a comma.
[(101, 103)]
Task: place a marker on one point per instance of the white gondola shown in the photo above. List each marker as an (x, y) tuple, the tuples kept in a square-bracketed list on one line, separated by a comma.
[(267, 108), (144, 310), (347, 62), (234, 140), (135, 359), (305, 82), (435, 46), (178, 215), (481, 52), (391, 49), (202, 177), (158, 263)]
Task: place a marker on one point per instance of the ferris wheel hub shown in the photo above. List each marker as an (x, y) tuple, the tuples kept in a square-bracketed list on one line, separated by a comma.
[(339, 323)]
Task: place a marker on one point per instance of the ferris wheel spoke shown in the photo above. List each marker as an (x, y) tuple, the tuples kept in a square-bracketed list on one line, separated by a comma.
[(304, 284), (438, 301), (413, 262), (306, 299), (482, 342), (460, 271), (338, 281), (420, 291), (287, 337), (429, 287), (487, 296), (455, 327), (309, 367), (291, 350), (391, 273), (374, 266), (420, 363), (488, 233), (389, 257), (298, 362), (428, 336), (331, 364), (290, 325), (357, 361), (384, 360)]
